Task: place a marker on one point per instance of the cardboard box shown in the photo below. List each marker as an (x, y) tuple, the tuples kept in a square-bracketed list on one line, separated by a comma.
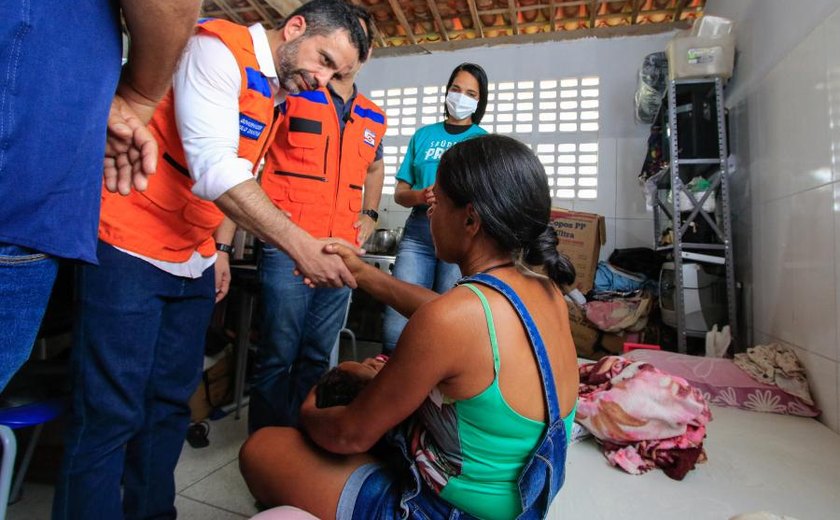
[(584, 333), (591, 343), (580, 237), (215, 388)]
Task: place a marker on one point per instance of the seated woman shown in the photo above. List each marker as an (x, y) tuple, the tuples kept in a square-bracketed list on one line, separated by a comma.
[(486, 373)]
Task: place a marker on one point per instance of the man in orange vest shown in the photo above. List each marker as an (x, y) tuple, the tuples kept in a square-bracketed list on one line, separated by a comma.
[(325, 169), (145, 309)]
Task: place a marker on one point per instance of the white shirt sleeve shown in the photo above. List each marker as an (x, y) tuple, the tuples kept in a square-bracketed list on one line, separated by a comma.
[(206, 88)]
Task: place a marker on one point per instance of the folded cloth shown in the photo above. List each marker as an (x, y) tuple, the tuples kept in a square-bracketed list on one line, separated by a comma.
[(642, 417), (776, 364), (620, 314)]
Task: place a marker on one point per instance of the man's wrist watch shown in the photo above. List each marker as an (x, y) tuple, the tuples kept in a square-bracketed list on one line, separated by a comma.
[(224, 248), (372, 213)]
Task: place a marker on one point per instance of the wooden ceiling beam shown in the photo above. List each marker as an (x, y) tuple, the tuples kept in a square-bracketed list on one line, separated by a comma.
[(267, 18), (234, 16), (438, 20), (593, 12), (571, 3), (514, 22), (634, 16), (679, 9), (284, 7), (409, 33), (377, 34), (476, 20), (600, 33)]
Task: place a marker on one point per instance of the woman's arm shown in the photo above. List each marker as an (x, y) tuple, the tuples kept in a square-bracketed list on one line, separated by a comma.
[(428, 353), (404, 297), (405, 196)]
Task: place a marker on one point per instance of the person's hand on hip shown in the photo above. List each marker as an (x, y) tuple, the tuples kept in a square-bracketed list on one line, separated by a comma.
[(130, 148)]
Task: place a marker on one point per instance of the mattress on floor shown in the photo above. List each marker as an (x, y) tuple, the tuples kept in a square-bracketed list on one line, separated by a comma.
[(757, 462)]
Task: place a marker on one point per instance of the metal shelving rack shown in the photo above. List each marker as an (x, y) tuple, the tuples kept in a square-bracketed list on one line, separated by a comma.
[(683, 166)]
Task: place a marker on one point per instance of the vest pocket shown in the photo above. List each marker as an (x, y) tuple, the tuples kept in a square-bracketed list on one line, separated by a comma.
[(203, 215), (355, 202), (306, 196), (280, 197), (305, 155), (304, 139), (166, 193)]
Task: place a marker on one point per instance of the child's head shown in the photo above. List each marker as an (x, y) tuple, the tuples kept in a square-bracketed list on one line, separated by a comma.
[(343, 383)]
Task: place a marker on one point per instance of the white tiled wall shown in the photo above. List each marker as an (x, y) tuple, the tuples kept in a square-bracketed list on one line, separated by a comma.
[(622, 142), (785, 136)]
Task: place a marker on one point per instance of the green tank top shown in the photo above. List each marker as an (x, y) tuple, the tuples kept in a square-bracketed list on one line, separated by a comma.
[(472, 451)]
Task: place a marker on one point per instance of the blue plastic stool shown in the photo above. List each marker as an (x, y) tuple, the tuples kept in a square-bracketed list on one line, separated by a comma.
[(21, 416)]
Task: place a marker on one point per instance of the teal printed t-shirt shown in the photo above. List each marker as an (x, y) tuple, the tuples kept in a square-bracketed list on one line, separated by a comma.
[(419, 166)]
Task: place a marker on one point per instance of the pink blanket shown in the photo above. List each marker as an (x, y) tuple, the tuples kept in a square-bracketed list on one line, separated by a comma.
[(643, 418)]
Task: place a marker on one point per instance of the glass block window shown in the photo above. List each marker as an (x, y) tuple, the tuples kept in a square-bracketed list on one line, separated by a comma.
[(557, 118)]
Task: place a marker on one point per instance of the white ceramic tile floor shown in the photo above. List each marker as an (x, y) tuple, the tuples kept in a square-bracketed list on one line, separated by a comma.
[(207, 480)]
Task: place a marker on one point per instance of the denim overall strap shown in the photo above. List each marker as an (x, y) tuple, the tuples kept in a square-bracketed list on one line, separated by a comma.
[(533, 335), (544, 473)]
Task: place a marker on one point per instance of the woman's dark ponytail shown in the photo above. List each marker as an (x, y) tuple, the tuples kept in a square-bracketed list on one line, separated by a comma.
[(543, 251)]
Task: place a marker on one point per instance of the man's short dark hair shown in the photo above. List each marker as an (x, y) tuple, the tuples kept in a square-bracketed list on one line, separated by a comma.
[(324, 17)]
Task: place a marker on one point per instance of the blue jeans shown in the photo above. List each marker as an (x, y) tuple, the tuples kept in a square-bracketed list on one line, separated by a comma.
[(375, 492), (26, 280), (416, 263), (137, 359), (300, 326)]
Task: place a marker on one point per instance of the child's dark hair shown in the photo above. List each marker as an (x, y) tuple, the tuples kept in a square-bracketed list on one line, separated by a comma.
[(507, 186), (338, 388)]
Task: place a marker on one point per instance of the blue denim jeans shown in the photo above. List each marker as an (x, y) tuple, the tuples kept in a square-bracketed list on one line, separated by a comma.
[(375, 492), (26, 280), (136, 360), (416, 263), (300, 326)]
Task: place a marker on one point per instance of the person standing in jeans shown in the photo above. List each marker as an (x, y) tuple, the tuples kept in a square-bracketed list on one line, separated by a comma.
[(144, 310), (63, 98), (416, 262), (325, 169)]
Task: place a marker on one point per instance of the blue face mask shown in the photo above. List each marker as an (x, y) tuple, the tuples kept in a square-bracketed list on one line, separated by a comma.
[(460, 106)]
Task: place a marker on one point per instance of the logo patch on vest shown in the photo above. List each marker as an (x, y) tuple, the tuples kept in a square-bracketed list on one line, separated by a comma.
[(370, 137), (249, 127)]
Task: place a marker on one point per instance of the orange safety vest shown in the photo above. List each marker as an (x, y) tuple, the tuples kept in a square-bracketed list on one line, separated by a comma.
[(167, 221), (314, 171)]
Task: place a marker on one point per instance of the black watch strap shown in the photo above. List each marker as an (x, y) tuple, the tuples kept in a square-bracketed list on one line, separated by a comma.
[(224, 248), (372, 213)]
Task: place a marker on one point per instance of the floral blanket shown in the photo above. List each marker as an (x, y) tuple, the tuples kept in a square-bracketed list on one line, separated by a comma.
[(642, 417)]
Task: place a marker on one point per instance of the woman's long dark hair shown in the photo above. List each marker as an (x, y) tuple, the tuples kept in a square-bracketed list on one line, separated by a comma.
[(478, 73), (507, 186)]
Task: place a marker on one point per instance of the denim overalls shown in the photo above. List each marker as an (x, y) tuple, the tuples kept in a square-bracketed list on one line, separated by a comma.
[(540, 480)]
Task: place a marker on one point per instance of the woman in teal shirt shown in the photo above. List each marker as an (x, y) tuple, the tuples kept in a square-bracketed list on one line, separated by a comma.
[(466, 99)]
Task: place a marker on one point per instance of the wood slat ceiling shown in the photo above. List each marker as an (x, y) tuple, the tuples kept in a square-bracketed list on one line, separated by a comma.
[(410, 26)]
